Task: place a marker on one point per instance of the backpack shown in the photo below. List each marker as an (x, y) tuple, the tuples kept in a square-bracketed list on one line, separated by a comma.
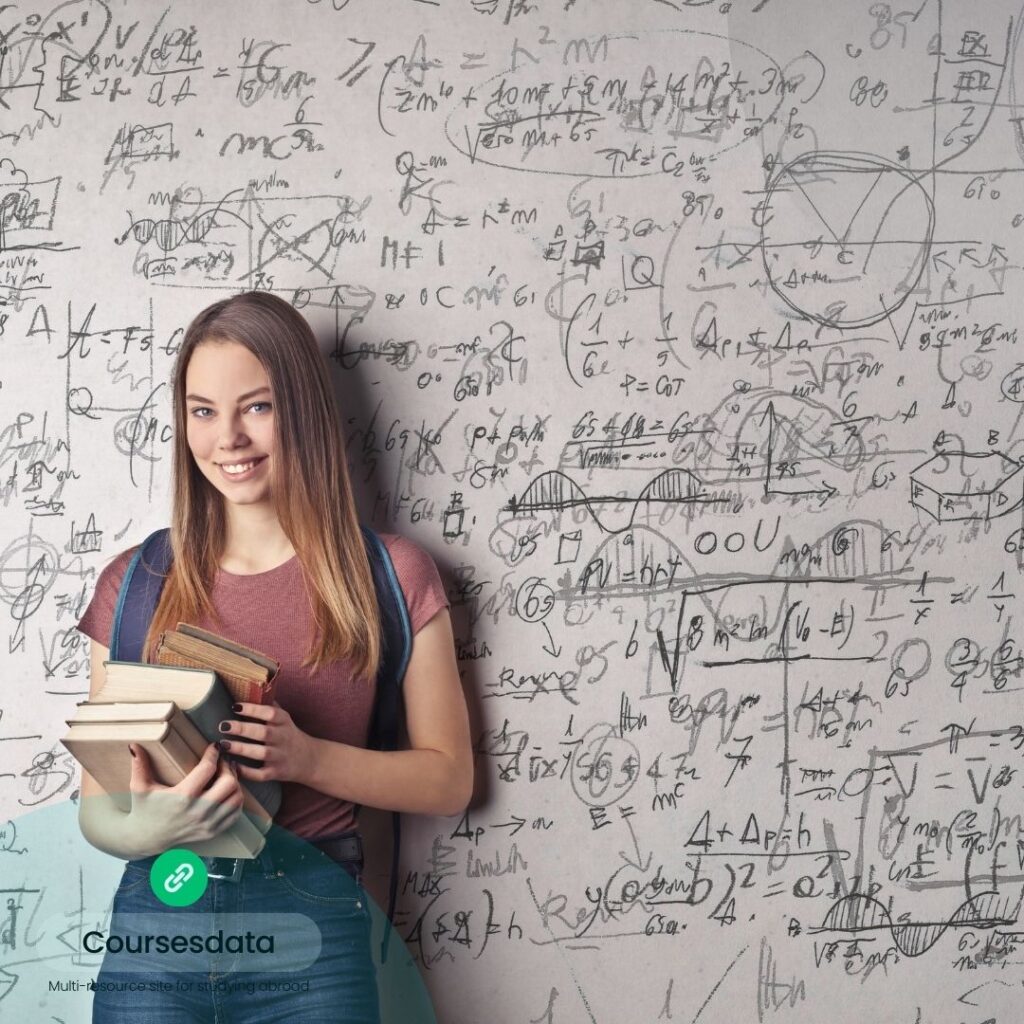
[(137, 600)]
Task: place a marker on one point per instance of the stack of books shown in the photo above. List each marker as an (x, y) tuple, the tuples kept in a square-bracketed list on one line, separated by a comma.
[(173, 708)]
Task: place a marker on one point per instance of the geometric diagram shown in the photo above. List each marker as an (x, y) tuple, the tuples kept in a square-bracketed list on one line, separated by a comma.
[(860, 913), (557, 490), (25, 205), (281, 242), (845, 237), (946, 489), (27, 210), (785, 442), (170, 233), (794, 438)]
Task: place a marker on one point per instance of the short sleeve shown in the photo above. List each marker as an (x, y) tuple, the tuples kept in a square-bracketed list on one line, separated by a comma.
[(98, 620), (419, 579)]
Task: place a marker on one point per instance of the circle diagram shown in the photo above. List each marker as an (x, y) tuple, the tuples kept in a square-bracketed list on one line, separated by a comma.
[(845, 237)]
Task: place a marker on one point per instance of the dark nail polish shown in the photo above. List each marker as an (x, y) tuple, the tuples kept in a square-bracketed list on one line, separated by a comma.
[(133, 752), (223, 744), (225, 726), (236, 707)]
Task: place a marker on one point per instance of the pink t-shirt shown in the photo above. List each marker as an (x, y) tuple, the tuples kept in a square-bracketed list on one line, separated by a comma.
[(269, 612)]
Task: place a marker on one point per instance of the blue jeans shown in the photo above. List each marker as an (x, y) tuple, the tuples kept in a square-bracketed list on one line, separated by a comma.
[(338, 985)]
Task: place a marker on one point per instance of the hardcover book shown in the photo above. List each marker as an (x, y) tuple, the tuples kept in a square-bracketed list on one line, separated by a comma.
[(173, 708), (102, 748)]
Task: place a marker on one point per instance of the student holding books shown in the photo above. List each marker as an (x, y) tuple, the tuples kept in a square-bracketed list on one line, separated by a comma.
[(268, 554)]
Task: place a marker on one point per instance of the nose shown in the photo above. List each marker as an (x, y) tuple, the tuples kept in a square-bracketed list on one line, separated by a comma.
[(232, 436)]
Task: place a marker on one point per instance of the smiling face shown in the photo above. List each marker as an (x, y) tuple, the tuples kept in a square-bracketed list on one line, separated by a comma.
[(229, 415)]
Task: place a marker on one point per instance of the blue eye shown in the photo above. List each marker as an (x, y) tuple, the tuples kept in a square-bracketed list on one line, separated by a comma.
[(206, 408)]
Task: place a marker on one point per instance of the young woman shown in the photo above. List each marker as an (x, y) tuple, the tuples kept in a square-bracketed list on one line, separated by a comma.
[(268, 552)]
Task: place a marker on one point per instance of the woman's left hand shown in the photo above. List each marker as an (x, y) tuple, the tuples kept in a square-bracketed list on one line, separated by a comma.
[(275, 739)]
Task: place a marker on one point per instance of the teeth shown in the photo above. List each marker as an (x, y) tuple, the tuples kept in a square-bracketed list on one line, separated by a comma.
[(238, 467)]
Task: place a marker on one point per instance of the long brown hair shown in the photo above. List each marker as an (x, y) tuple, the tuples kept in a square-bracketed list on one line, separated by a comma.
[(310, 485)]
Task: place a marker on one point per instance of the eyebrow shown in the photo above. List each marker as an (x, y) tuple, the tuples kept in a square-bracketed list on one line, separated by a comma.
[(241, 398)]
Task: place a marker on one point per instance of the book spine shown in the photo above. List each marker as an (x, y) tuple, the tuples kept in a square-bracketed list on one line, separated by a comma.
[(260, 816), (112, 775), (117, 711), (207, 716), (242, 839)]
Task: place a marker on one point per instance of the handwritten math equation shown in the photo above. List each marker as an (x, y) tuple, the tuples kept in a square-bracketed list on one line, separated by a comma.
[(684, 335)]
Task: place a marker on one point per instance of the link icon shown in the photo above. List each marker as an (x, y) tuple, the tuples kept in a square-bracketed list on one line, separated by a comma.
[(178, 877)]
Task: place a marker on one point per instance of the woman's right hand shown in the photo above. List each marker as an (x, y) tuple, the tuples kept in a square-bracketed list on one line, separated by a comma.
[(204, 803)]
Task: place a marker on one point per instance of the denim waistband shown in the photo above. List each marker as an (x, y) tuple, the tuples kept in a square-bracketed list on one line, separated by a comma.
[(277, 854)]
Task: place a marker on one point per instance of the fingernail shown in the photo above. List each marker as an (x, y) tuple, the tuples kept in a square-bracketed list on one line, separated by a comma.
[(132, 749), (224, 727), (236, 707), (223, 744)]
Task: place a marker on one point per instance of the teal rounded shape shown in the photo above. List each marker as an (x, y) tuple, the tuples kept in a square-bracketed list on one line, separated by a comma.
[(59, 889)]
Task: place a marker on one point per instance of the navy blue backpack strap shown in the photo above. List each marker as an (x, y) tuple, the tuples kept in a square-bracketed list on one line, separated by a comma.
[(389, 704), (139, 594), (397, 645)]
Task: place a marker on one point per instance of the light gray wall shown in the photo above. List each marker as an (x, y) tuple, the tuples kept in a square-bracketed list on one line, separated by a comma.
[(685, 338)]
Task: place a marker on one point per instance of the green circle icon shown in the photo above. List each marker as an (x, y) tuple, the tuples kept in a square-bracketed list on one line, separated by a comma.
[(178, 877)]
